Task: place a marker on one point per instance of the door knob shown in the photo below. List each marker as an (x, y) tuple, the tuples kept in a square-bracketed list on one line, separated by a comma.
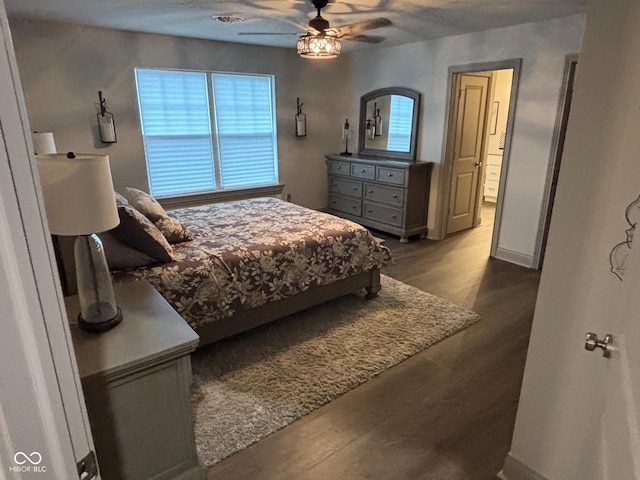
[(591, 343), (477, 164)]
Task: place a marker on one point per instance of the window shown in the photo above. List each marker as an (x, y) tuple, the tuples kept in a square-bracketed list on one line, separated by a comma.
[(400, 119), (206, 131)]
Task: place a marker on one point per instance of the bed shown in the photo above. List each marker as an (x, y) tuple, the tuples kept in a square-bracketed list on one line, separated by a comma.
[(249, 262)]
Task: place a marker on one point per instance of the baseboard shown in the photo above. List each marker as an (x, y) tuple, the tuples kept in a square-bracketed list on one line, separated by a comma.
[(516, 470), (515, 257)]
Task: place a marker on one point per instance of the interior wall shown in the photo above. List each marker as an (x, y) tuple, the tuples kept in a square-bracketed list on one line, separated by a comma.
[(424, 67), (63, 66)]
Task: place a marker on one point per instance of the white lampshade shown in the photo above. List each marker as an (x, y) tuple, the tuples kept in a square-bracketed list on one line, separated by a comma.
[(78, 193), (43, 143)]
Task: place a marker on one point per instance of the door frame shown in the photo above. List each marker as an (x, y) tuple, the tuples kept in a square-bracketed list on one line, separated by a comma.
[(515, 64), (559, 133), (42, 409)]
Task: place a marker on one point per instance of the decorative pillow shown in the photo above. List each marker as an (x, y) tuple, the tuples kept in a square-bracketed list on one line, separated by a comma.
[(170, 227), (120, 200), (121, 256), (138, 232)]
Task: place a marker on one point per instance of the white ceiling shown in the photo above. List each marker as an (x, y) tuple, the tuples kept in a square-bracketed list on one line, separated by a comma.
[(412, 20)]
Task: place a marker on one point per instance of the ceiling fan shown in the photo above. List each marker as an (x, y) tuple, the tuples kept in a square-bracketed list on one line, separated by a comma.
[(323, 41)]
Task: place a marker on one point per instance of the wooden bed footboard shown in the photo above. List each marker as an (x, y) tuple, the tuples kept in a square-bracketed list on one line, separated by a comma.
[(248, 319)]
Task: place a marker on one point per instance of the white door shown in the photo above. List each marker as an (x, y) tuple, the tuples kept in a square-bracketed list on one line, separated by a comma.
[(620, 425), (578, 412), (45, 430), (467, 143)]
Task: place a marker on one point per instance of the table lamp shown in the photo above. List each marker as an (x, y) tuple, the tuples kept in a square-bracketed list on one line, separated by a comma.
[(79, 201)]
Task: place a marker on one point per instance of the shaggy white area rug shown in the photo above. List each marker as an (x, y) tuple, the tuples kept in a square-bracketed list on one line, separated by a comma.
[(256, 383)]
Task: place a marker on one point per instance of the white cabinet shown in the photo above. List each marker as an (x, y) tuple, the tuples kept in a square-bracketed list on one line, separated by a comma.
[(492, 177)]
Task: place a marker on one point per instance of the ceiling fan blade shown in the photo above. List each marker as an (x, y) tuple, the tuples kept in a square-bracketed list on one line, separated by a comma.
[(363, 38), (268, 33), (357, 27)]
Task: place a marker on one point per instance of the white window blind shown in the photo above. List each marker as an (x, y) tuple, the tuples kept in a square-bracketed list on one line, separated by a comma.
[(400, 118), (245, 129), (180, 129)]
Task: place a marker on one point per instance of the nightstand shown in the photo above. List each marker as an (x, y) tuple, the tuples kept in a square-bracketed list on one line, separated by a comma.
[(136, 380)]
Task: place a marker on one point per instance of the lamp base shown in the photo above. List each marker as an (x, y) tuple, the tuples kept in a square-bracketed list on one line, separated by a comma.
[(101, 326), (346, 154)]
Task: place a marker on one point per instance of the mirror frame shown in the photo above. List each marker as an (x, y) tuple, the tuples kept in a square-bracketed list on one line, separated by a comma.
[(374, 152)]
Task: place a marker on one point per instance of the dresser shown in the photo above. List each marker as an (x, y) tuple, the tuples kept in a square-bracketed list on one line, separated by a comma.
[(136, 380), (388, 195)]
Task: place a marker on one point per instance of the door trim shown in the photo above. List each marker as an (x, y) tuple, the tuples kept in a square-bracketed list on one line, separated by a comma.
[(42, 410), (444, 186), (559, 129)]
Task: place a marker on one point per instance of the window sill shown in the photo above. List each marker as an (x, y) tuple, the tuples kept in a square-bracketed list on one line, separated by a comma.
[(220, 196)]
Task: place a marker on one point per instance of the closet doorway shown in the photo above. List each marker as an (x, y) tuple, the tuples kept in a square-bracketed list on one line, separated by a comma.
[(481, 107)]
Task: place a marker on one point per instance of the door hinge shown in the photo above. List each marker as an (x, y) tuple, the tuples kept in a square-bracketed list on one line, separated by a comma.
[(88, 467)]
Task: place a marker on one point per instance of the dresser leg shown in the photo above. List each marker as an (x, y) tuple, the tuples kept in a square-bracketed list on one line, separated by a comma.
[(404, 239)]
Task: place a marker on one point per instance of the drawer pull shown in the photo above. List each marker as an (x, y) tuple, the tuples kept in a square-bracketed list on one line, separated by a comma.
[(363, 171), (355, 189), (389, 174), (334, 202), (369, 211), (354, 206), (394, 216), (335, 184), (370, 191), (395, 196), (339, 167)]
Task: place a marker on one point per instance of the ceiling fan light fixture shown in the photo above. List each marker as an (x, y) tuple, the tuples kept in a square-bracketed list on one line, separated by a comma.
[(320, 46)]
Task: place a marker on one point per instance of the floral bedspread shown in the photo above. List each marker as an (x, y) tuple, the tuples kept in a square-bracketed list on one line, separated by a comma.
[(250, 252)]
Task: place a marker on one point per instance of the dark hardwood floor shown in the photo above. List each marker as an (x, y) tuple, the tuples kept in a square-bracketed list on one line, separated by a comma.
[(446, 413)]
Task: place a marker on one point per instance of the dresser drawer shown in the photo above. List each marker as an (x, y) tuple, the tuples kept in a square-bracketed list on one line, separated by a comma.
[(346, 205), (379, 193), (493, 172), (390, 175), (359, 170), (391, 216), (339, 168), (345, 186)]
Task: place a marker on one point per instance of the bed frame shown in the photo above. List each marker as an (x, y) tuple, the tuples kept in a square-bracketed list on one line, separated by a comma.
[(248, 319)]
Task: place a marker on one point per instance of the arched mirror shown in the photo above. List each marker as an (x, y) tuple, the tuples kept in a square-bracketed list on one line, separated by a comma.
[(389, 123)]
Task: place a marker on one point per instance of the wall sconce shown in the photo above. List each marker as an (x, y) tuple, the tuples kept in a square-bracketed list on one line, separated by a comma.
[(106, 124), (377, 120), (301, 120), (346, 135), (371, 129)]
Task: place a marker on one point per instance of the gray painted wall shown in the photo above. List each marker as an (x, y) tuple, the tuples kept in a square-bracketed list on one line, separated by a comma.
[(63, 66), (424, 67)]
